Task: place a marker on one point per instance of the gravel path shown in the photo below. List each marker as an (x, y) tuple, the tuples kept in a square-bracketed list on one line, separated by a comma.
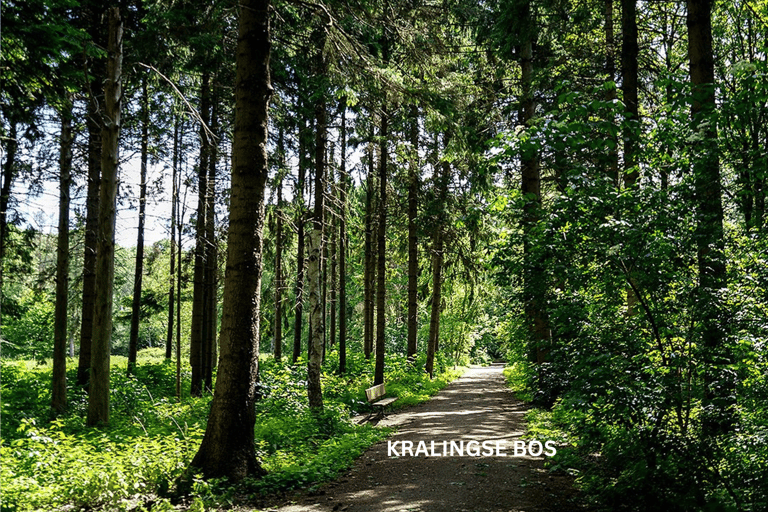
[(477, 407)]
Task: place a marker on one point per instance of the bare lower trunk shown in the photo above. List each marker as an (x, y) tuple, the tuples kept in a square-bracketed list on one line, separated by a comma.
[(59, 377), (172, 269), (98, 398), (133, 340), (378, 375), (228, 448), (197, 332), (343, 242), (413, 250)]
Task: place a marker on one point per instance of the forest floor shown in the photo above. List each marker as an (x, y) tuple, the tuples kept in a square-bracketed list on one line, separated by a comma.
[(478, 407)]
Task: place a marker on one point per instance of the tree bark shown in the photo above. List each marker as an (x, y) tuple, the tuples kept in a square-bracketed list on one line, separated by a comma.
[(228, 448), (314, 264), (629, 51), (369, 264), (533, 273), (300, 259), (718, 404), (413, 241), (442, 170), (343, 241), (197, 347), (378, 375), (133, 341), (59, 377), (172, 269), (278, 348), (9, 173), (90, 242), (211, 256), (98, 398)]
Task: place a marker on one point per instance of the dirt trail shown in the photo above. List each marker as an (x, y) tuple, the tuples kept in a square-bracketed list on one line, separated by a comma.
[(476, 407)]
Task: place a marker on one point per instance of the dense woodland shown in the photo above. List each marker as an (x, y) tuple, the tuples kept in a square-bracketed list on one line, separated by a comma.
[(357, 192)]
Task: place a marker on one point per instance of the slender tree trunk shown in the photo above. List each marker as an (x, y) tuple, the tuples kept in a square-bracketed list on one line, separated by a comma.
[(443, 170), (133, 341), (278, 349), (211, 255), (369, 264), (381, 271), (197, 333), (317, 326), (98, 398), (533, 273), (718, 405), (343, 241), (300, 259), (333, 247), (629, 51), (90, 242), (228, 448), (610, 94), (413, 241), (59, 377), (172, 270), (179, 222), (9, 173)]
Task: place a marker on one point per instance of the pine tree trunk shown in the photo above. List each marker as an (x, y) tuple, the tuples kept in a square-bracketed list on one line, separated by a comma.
[(228, 448), (211, 255), (413, 250), (610, 94), (9, 173), (533, 274), (278, 343), (343, 241), (197, 347), (378, 375), (59, 377), (90, 242), (718, 404), (172, 269), (133, 340), (98, 398), (369, 264), (314, 264), (300, 259)]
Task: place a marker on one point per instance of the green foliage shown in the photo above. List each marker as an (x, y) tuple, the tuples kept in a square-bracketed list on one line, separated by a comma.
[(55, 462)]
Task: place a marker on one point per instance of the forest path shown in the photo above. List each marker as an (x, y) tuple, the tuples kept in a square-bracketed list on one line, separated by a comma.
[(478, 407)]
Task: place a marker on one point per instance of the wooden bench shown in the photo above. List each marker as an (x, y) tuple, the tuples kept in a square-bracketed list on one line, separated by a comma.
[(376, 392)]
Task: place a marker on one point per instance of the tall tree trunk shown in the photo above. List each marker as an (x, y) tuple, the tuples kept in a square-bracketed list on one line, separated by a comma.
[(278, 348), (300, 259), (59, 377), (179, 232), (172, 270), (369, 264), (228, 448), (133, 340), (9, 173), (533, 273), (442, 176), (198, 330), (98, 398), (315, 248), (343, 241), (413, 241), (718, 405), (211, 255), (610, 94), (332, 251), (381, 271), (90, 241)]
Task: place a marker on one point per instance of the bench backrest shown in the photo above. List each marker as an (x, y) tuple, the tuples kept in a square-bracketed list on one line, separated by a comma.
[(375, 392)]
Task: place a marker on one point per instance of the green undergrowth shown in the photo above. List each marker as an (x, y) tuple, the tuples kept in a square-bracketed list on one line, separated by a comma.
[(662, 468), (52, 462)]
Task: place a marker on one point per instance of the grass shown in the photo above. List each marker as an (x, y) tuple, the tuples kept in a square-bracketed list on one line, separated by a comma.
[(54, 462)]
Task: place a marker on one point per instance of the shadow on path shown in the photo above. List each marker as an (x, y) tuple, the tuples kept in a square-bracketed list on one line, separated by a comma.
[(477, 407)]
